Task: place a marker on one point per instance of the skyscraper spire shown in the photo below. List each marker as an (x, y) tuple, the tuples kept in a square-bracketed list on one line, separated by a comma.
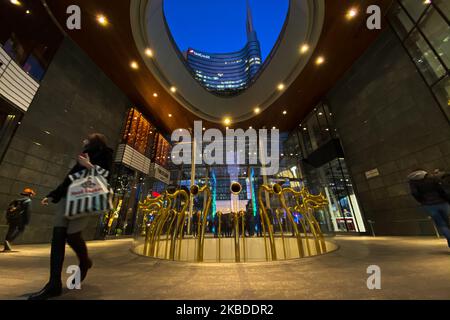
[(250, 28)]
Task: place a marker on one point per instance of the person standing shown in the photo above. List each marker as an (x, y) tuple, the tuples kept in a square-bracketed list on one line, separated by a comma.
[(95, 153), (18, 217), (428, 190)]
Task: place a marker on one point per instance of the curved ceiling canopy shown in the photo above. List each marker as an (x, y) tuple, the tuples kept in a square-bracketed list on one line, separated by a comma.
[(114, 47), (303, 26)]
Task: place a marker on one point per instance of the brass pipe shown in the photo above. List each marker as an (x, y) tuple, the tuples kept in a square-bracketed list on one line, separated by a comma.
[(195, 190), (177, 232), (219, 214), (301, 250), (242, 214), (277, 212), (266, 220), (237, 248)]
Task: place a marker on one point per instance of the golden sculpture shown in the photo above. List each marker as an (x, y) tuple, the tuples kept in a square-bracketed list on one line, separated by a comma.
[(164, 224), (195, 191)]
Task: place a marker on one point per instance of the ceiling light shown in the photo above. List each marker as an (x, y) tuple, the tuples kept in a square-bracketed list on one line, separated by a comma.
[(28, 12), (149, 52), (280, 87), (204, 129), (102, 20), (351, 13), (16, 2), (285, 112), (273, 128), (304, 49), (134, 65), (320, 60), (427, 2), (250, 127), (173, 89), (155, 95), (257, 110), (170, 115), (227, 121)]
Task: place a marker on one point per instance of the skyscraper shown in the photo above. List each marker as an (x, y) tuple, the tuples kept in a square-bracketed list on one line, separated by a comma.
[(228, 73)]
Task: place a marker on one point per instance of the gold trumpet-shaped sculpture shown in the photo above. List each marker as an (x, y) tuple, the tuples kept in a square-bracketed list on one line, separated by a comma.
[(195, 191), (287, 227), (305, 204), (168, 223)]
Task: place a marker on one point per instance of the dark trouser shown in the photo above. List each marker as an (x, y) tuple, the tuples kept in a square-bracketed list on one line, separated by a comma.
[(75, 241), (14, 230), (440, 214)]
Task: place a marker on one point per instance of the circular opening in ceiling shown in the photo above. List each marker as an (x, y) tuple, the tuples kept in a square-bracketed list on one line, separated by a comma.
[(224, 44)]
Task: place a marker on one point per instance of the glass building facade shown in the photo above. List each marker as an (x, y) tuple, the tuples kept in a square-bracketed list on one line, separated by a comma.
[(424, 29), (227, 73)]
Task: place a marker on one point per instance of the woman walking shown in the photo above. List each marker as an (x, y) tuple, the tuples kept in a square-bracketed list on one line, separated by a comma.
[(95, 153)]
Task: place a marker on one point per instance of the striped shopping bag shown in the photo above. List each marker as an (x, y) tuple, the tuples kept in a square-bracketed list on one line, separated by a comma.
[(89, 193)]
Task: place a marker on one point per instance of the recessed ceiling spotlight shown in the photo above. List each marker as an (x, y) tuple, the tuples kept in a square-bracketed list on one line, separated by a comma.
[(427, 2), (257, 110), (173, 89), (155, 95), (280, 87), (285, 112), (102, 20), (28, 12), (320, 60), (273, 128), (351, 13), (204, 129), (227, 121), (16, 2), (149, 52), (304, 49), (134, 65), (170, 115)]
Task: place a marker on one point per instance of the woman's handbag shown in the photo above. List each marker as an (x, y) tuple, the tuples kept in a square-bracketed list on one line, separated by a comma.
[(89, 193)]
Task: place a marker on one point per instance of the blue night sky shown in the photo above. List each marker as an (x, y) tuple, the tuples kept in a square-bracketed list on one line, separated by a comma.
[(219, 26)]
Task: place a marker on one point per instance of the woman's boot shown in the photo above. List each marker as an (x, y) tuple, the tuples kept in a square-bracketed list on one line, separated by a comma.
[(54, 287)]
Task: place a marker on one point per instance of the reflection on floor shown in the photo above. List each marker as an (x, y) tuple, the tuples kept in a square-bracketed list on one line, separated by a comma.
[(412, 268)]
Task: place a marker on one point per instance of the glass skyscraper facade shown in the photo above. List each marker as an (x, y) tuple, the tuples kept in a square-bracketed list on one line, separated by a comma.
[(228, 73)]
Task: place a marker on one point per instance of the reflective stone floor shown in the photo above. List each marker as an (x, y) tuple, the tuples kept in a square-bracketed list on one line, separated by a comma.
[(411, 268)]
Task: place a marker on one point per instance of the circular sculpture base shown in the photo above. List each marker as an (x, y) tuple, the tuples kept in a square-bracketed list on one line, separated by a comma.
[(251, 249)]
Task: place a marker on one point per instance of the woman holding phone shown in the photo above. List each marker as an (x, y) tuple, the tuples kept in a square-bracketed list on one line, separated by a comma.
[(95, 153)]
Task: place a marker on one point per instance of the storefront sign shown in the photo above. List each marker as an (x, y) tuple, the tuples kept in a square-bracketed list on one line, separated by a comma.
[(372, 173), (160, 173)]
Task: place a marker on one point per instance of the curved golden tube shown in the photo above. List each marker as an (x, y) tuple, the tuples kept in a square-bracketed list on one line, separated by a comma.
[(266, 221), (177, 232), (219, 231), (237, 247), (242, 217), (278, 213), (282, 199), (149, 205), (195, 190)]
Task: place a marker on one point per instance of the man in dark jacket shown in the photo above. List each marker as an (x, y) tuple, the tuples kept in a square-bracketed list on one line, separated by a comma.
[(20, 217), (427, 189)]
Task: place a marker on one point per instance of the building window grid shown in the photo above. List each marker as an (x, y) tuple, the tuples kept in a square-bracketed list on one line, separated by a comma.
[(417, 27)]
